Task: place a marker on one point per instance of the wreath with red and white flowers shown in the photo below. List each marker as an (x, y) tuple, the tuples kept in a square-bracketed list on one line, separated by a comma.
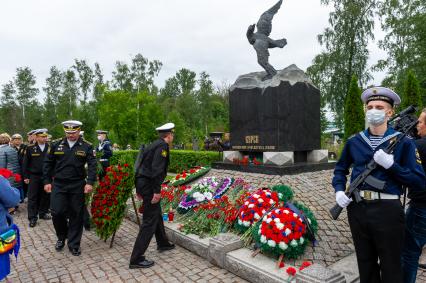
[(255, 206), (189, 176), (283, 231)]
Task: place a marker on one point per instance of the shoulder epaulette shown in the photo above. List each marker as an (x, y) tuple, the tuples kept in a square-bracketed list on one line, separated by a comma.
[(87, 142), (31, 145), (56, 140)]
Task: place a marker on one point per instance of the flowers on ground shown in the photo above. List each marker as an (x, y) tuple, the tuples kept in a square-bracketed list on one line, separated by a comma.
[(188, 176), (254, 207), (201, 192)]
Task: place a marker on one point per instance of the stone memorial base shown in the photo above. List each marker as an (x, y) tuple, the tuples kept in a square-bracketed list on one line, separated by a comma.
[(278, 163)]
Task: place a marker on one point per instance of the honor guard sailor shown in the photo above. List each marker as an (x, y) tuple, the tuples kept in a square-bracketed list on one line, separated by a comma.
[(377, 222)]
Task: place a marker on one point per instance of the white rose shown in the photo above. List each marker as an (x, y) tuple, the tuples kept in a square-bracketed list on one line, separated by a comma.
[(286, 211), (251, 205), (301, 240), (271, 201), (256, 216), (295, 215), (271, 243), (283, 246), (263, 239), (277, 211), (280, 195), (277, 220), (293, 243), (259, 232), (287, 231), (247, 203), (256, 196), (240, 222), (268, 220), (246, 223), (260, 200), (263, 211)]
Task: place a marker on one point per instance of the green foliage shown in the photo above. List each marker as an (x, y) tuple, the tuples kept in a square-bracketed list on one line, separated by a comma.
[(346, 53), (285, 193), (411, 94), (180, 160), (354, 113)]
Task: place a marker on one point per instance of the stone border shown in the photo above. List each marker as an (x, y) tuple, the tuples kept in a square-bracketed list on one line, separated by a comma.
[(296, 168), (226, 251)]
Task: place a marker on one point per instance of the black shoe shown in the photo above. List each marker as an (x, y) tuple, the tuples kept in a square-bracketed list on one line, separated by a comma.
[(142, 264), (167, 247), (75, 251), (33, 222), (422, 265), (87, 227), (45, 217), (59, 245)]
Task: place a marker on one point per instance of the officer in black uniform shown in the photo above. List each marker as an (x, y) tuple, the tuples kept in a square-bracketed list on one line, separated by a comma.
[(21, 153), (32, 170), (64, 165), (150, 171), (105, 148)]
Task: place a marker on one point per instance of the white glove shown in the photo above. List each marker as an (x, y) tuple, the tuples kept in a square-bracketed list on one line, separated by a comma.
[(342, 200), (383, 159)]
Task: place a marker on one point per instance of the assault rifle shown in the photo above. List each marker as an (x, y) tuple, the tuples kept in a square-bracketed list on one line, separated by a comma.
[(365, 177)]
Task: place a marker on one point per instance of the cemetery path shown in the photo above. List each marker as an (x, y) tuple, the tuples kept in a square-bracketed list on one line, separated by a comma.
[(39, 262)]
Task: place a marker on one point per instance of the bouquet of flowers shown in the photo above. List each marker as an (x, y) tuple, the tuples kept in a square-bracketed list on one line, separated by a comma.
[(283, 230), (7, 174), (201, 192), (188, 176), (254, 207), (170, 196), (218, 215), (109, 200)]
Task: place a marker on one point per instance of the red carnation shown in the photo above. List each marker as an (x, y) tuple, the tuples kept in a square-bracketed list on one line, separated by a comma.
[(291, 271), (282, 264), (304, 265)]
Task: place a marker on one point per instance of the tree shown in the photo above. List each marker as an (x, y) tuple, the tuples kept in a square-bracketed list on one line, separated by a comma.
[(85, 78), (354, 114), (401, 20), (51, 103), (69, 95), (26, 93), (411, 94), (9, 113), (346, 53), (122, 77), (144, 72)]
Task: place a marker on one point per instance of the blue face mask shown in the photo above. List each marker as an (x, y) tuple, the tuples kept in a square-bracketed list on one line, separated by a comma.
[(375, 117)]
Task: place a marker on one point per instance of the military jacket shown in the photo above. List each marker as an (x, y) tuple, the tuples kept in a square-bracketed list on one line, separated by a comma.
[(358, 152), (33, 160), (65, 163), (153, 162)]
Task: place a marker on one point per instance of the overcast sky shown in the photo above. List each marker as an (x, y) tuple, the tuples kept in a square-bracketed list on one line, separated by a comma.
[(202, 35)]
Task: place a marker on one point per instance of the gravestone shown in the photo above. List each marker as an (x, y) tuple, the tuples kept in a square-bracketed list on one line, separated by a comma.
[(277, 115)]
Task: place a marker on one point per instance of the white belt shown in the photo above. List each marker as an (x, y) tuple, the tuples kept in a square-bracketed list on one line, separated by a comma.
[(370, 195), (103, 159)]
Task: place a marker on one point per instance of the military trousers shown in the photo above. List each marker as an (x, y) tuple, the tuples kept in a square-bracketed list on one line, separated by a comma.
[(377, 228), (38, 199), (67, 207), (152, 222)]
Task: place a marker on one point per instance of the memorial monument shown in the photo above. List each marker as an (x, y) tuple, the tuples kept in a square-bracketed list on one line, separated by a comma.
[(274, 115)]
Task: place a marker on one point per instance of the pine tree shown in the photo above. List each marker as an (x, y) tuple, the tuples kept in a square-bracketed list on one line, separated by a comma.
[(411, 94), (353, 113)]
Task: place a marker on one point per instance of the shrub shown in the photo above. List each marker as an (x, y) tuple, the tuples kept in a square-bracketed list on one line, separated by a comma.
[(180, 160)]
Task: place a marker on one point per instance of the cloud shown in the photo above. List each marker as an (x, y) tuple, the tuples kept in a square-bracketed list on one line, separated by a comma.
[(202, 35)]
